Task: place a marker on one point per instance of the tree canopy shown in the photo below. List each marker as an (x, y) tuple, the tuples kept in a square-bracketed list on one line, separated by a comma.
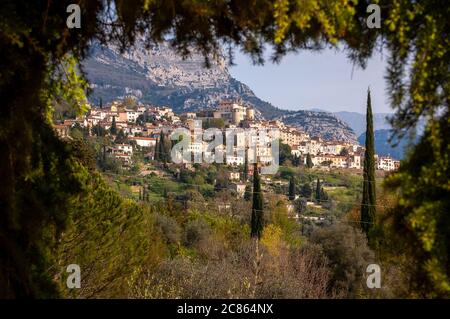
[(40, 56)]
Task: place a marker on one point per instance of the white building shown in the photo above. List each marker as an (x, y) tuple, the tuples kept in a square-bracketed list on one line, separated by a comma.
[(354, 161), (387, 163), (143, 141), (332, 148), (124, 148), (239, 188), (132, 115)]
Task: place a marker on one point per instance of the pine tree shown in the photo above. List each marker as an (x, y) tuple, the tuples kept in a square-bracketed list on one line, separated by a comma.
[(369, 193), (113, 129), (291, 188), (257, 208), (318, 191), (309, 162)]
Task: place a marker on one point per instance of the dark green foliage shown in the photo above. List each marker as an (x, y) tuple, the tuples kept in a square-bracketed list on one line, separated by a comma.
[(300, 205), (296, 160), (163, 148), (245, 173), (113, 129), (121, 138), (85, 153), (344, 152), (248, 192), (306, 191), (222, 181), (348, 256), (196, 231), (77, 132), (318, 191), (169, 228), (98, 130), (419, 224), (285, 153), (156, 156), (213, 123), (309, 163), (63, 111), (108, 237), (368, 205), (39, 178), (323, 195), (257, 222), (291, 188), (34, 212)]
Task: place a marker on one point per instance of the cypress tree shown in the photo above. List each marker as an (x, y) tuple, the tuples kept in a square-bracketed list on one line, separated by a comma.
[(309, 162), (101, 103), (246, 165), (156, 152), (113, 129), (257, 208), (162, 147), (369, 196), (296, 160), (318, 191), (291, 188), (248, 192), (306, 191)]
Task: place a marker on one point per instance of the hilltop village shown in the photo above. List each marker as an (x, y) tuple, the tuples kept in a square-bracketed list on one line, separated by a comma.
[(130, 125)]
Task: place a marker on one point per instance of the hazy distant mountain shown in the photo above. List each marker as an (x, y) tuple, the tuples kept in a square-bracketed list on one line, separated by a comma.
[(382, 145), (159, 76), (357, 121)]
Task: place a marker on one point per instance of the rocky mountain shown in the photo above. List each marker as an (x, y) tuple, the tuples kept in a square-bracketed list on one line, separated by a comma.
[(161, 77), (320, 124)]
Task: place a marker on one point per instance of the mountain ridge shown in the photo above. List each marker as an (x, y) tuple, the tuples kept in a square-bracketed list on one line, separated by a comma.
[(159, 76)]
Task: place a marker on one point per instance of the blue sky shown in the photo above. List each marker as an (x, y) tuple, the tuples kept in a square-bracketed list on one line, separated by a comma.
[(321, 80)]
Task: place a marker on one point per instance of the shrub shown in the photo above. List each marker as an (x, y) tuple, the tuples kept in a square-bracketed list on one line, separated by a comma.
[(169, 228), (196, 231)]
